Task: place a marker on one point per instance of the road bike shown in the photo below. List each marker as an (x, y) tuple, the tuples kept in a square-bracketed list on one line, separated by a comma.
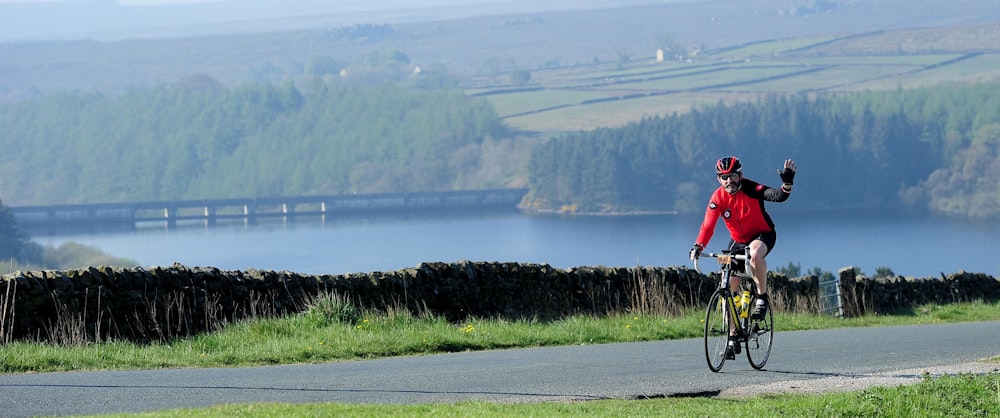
[(729, 314)]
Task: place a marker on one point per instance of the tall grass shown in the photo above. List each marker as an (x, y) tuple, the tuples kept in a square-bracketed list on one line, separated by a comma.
[(7, 312), (321, 337)]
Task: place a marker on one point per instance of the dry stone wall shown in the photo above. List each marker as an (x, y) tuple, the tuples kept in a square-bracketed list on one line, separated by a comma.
[(159, 303), (883, 295)]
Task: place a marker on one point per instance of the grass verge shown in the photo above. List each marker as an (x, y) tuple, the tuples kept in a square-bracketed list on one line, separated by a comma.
[(331, 335)]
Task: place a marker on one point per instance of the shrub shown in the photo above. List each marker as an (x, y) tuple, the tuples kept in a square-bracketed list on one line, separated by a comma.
[(330, 308)]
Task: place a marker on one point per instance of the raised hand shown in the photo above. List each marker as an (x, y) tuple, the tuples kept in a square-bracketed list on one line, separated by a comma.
[(788, 173)]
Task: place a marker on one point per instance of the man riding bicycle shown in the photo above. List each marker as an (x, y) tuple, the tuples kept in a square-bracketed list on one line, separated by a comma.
[(740, 203)]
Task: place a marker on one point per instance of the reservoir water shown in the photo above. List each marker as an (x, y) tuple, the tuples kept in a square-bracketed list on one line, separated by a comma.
[(909, 244)]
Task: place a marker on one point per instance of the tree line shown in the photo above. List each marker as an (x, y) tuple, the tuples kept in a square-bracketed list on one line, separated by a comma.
[(199, 140), (930, 148)]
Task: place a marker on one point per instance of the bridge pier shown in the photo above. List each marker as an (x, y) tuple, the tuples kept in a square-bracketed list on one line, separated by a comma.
[(249, 215), (210, 217), (169, 215)]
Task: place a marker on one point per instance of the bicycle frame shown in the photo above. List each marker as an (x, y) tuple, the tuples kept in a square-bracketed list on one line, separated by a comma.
[(727, 273), (731, 323)]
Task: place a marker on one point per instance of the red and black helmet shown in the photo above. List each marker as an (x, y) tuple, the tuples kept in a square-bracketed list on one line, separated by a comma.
[(728, 165)]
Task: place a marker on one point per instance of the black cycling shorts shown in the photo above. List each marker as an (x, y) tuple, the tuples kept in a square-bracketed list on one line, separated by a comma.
[(769, 238)]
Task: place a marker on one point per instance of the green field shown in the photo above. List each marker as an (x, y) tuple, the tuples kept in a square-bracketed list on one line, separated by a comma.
[(562, 99)]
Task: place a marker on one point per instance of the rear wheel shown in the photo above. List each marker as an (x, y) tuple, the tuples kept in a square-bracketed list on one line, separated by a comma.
[(759, 335), (716, 330)]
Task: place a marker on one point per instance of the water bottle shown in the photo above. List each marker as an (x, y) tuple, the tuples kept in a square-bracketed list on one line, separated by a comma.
[(745, 304)]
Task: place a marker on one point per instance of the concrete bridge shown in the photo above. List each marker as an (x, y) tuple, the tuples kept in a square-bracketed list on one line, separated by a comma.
[(128, 214)]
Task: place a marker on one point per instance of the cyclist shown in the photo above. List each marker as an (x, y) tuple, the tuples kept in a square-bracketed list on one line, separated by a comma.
[(740, 203)]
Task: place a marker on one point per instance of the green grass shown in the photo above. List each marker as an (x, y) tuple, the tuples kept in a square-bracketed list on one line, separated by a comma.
[(308, 339), (513, 103), (776, 47), (745, 74)]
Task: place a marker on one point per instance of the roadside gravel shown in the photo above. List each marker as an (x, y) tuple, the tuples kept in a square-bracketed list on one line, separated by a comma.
[(861, 381)]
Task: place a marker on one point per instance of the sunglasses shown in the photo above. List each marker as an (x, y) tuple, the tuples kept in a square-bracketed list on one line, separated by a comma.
[(729, 176)]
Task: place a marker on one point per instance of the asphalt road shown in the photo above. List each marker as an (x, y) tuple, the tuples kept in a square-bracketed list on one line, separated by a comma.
[(620, 371)]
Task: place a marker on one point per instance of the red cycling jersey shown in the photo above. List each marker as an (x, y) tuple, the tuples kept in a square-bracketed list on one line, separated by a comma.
[(742, 211)]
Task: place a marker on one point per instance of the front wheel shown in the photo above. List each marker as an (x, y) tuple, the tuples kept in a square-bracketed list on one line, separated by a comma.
[(716, 330), (760, 333)]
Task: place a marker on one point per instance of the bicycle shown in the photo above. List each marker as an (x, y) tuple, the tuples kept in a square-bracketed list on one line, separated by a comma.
[(755, 334)]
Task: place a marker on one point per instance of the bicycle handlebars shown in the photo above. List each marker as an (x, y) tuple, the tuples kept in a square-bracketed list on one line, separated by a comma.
[(723, 258)]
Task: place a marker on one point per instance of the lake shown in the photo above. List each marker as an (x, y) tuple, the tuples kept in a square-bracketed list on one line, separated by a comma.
[(909, 244)]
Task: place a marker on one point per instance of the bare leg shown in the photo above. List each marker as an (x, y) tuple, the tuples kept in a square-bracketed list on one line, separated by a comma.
[(758, 265)]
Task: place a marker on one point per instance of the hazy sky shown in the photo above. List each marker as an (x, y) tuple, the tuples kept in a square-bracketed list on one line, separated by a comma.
[(115, 19), (104, 19), (123, 2)]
